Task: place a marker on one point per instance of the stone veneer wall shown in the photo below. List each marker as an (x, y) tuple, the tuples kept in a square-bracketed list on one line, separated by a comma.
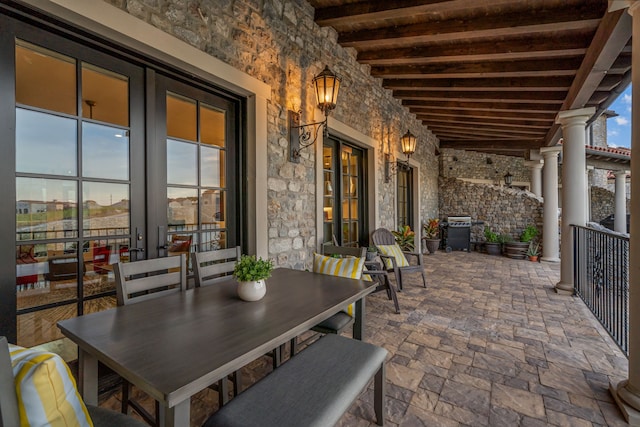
[(278, 42), (504, 210), (603, 203), (474, 165)]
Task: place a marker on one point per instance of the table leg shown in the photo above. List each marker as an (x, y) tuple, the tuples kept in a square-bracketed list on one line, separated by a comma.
[(358, 325), (178, 416), (88, 377)]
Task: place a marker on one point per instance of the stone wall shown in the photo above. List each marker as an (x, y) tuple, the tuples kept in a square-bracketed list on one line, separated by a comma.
[(481, 166), (278, 42), (603, 203), (504, 210)]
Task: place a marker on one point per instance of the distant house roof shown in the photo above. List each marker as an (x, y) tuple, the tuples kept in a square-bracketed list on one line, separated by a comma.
[(616, 151)]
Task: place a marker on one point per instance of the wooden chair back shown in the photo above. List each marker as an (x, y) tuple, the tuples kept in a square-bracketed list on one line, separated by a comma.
[(152, 278), (329, 250), (382, 236), (213, 266)]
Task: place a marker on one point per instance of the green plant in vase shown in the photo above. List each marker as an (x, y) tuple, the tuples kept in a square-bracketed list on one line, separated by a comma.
[(405, 238), (251, 272)]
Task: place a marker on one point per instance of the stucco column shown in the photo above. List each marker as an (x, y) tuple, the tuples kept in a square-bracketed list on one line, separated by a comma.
[(573, 124), (627, 392), (535, 166), (550, 240), (620, 217)]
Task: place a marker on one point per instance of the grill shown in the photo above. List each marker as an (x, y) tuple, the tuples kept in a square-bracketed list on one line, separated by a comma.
[(458, 233)]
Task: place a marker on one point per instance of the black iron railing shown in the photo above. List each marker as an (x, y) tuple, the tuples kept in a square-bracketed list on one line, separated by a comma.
[(601, 269)]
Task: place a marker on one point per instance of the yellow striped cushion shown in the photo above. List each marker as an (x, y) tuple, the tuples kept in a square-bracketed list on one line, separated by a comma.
[(46, 391), (350, 267), (394, 251)]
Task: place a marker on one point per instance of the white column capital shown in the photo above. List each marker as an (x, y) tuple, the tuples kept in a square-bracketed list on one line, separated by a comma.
[(550, 152), (573, 117), (620, 173), (534, 164), (535, 154)]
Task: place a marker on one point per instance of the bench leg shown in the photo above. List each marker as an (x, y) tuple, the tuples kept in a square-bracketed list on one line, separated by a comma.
[(379, 394)]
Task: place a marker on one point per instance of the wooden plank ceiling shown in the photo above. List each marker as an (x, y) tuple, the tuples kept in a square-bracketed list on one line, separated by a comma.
[(489, 75)]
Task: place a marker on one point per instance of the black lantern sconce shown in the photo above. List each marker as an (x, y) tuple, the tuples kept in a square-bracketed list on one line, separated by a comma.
[(408, 143), (327, 86), (508, 179)]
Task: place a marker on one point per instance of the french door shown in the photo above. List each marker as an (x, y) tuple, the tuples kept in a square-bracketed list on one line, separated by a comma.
[(344, 207), (404, 191), (110, 161)]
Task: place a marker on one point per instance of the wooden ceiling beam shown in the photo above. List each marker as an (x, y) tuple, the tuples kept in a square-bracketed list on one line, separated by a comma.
[(518, 97), (479, 131), (544, 47), (489, 144), (484, 106), (501, 69), (544, 119), (496, 122), (611, 38), (561, 83), (576, 17)]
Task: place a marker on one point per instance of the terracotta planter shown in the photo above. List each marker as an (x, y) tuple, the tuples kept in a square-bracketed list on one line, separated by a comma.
[(533, 258)]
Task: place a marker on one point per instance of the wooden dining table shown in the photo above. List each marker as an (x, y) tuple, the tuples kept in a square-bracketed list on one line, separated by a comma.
[(174, 346)]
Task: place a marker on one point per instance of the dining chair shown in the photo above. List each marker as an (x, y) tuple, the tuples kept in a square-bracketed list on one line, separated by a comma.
[(44, 379), (210, 268), (395, 259), (140, 281)]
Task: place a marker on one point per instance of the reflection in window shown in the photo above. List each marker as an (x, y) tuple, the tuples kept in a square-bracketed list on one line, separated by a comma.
[(105, 95), (182, 209), (181, 117), (182, 161), (46, 209), (211, 126), (105, 152), (45, 143), (213, 209), (105, 209), (211, 167), (45, 79)]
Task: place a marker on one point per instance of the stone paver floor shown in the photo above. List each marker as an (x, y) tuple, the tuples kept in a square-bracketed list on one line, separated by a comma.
[(488, 343)]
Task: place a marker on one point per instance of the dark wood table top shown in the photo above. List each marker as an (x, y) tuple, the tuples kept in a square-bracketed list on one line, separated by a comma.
[(172, 347)]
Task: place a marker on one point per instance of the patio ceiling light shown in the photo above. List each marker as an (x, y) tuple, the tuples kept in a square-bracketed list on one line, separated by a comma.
[(327, 86), (408, 143)]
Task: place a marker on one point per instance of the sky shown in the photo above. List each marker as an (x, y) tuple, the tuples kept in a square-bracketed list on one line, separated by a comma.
[(619, 128)]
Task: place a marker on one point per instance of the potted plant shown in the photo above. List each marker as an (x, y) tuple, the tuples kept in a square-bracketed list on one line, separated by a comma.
[(492, 244), (372, 252), (432, 235), (405, 238), (251, 274), (518, 250), (534, 251)]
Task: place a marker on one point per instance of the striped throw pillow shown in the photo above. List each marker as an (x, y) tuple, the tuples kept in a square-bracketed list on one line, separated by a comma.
[(350, 267), (46, 391), (394, 251)]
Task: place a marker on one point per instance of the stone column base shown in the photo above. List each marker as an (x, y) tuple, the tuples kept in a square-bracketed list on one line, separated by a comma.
[(631, 414), (564, 288), (549, 259)]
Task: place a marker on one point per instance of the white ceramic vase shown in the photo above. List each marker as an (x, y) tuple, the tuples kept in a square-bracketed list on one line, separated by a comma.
[(252, 291)]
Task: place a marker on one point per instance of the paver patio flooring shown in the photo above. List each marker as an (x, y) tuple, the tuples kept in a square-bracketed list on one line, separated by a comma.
[(488, 343)]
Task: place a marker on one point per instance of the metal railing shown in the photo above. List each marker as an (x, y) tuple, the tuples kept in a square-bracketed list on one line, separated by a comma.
[(601, 271)]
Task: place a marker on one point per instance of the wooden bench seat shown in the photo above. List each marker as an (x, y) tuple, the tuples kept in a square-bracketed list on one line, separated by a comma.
[(314, 388)]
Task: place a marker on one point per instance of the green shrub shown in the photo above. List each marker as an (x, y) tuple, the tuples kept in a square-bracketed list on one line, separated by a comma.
[(250, 269), (489, 235), (529, 233)]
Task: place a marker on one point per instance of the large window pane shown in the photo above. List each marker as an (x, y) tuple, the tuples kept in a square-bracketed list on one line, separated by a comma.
[(212, 126), (46, 209), (182, 163), (105, 95), (45, 143), (181, 117), (41, 326), (182, 209), (213, 209), (105, 209), (211, 167), (105, 152), (45, 79)]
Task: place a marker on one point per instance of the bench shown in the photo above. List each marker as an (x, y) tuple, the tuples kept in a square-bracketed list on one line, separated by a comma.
[(314, 388)]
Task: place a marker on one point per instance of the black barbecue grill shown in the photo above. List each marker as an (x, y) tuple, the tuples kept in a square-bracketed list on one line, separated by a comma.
[(457, 232)]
